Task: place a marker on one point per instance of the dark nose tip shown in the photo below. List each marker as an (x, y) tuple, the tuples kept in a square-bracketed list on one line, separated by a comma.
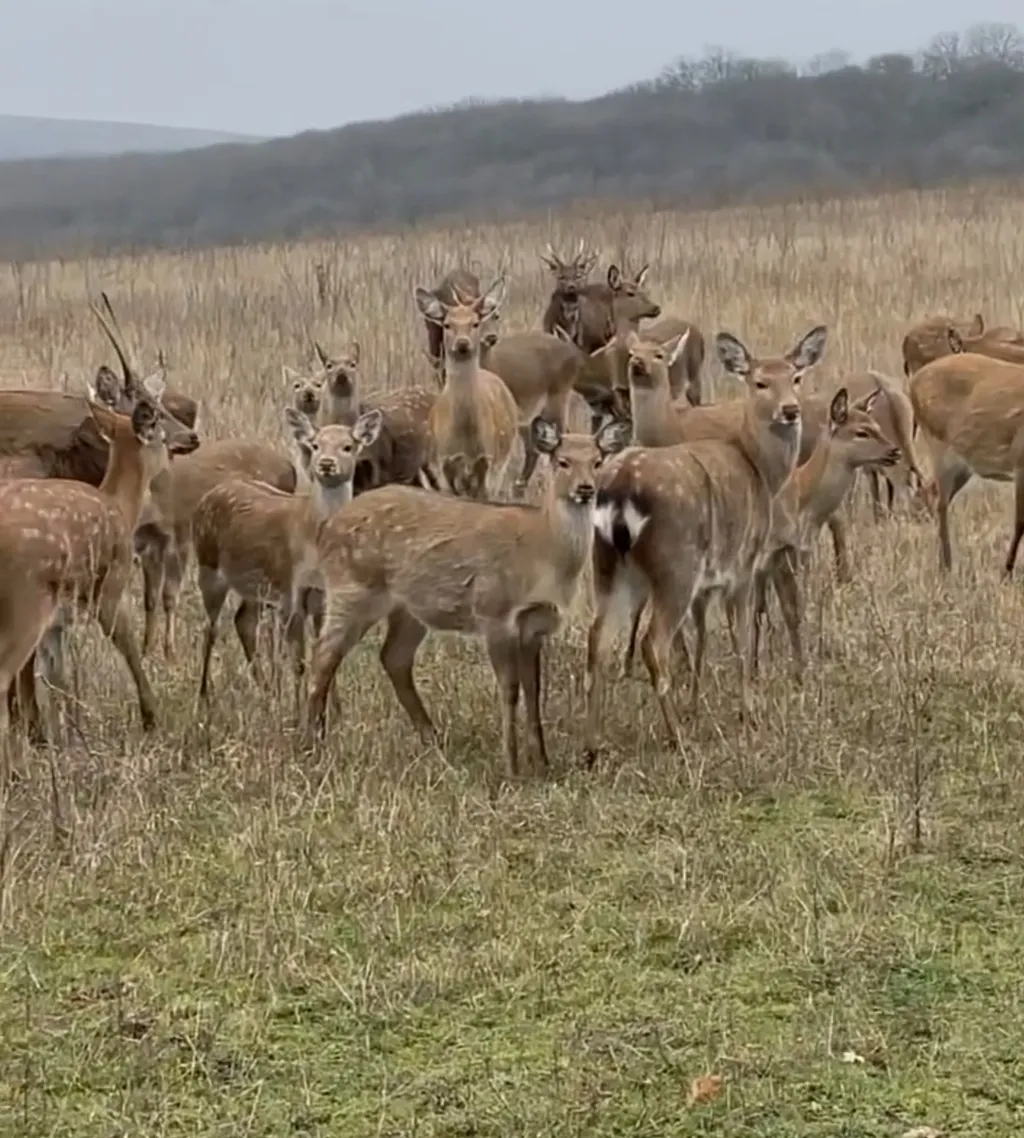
[(656, 311), (570, 292), (636, 368), (462, 348), (585, 491), (790, 413)]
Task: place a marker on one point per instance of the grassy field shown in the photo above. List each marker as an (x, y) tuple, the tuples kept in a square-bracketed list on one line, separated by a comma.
[(206, 934)]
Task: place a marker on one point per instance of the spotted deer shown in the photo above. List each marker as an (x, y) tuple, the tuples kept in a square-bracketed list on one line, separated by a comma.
[(675, 523), (813, 493), (64, 542), (504, 572), (473, 422), (260, 542)]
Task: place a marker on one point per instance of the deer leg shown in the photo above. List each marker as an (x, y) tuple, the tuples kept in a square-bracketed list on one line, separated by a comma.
[(634, 630), (741, 606), (787, 589), (24, 615), (397, 656), (214, 589), (349, 617), (247, 623), (536, 626), (837, 528), (1018, 521), (760, 613), (656, 652), (174, 574), (873, 477), (25, 709), (951, 476), (153, 562), (700, 624), (113, 619), (504, 656)]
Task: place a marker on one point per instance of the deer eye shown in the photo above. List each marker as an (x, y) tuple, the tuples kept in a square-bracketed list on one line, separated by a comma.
[(564, 463), (863, 434), (761, 385)]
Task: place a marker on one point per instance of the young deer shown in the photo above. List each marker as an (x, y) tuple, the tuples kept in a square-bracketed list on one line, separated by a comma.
[(570, 277), (473, 422), (684, 370), (814, 493), (970, 410), (503, 572), (261, 542), (163, 540), (68, 542), (674, 523), (307, 394)]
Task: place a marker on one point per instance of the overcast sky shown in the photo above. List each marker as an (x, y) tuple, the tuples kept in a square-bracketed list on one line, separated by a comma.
[(274, 67)]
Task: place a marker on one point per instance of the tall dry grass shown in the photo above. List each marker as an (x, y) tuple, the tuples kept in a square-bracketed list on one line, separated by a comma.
[(204, 930)]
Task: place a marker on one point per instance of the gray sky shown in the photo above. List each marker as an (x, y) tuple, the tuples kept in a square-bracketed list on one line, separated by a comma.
[(281, 66)]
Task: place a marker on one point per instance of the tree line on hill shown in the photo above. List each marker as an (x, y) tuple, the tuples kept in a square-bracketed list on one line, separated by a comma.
[(715, 130)]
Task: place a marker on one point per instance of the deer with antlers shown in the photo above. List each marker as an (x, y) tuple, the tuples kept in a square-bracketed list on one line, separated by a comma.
[(473, 422), (677, 522), (68, 542), (504, 572), (459, 286), (261, 542)]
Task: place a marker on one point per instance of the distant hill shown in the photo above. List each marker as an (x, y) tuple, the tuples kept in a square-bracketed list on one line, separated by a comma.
[(22, 136), (708, 131)]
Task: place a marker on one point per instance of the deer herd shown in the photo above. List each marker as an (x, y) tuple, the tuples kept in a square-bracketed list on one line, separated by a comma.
[(394, 508)]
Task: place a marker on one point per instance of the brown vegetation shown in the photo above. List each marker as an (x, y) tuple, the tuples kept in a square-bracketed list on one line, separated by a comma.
[(206, 929)]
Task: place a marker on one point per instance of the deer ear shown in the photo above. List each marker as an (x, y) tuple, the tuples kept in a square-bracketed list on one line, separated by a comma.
[(546, 435), (429, 305), (155, 385), (839, 408), (733, 354), (367, 427), (614, 436), (808, 349), (302, 429), (614, 277), (866, 402), (642, 276), (354, 351)]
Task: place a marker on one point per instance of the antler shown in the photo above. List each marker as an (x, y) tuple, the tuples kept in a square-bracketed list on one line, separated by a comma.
[(125, 366), (322, 356)]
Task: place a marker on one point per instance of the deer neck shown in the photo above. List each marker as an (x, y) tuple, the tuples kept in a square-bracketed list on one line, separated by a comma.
[(460, 381), (823, 490), (125, 480), (568, 534), (770, 448), (337, 409), (325, 500), (653, 415)]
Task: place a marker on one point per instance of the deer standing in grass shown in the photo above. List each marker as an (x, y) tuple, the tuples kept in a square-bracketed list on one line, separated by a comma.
[(677, 522), (970, 411), (459, 286), (473, 423), (260, 542), (68, 542), (569, 278), (814, 493), (504, 572)]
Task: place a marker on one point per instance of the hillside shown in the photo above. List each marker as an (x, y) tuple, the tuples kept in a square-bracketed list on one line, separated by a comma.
[(24, 136), (705, 132)]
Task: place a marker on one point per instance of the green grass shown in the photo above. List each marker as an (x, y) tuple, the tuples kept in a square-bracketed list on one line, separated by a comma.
[(225, 940)]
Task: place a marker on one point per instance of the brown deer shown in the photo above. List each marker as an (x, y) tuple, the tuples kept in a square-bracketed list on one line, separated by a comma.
[(569, 278), (473, 422), (814, 492), (504, 572), (970, 411), (260, 542), (677, 522), (68, 542), (684, 372), (399, 449), (618, 302), (163, 540), (460, 286), (542, 371), (306, 392), (929, 339)]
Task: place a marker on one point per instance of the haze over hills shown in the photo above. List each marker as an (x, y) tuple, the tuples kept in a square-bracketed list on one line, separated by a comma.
[(24, 136), (705, 131)]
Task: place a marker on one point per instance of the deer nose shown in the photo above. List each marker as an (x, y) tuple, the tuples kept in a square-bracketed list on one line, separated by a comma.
[(894, 455), (636, 368), (461, 347), (327, 467), (790, 412), (185, 444), (585, 492), (655, 311), (570, 292)]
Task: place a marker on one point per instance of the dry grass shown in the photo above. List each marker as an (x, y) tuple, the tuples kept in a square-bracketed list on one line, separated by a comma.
[(203, 934)]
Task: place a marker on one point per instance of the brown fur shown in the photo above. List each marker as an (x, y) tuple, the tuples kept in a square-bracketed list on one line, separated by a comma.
[(684, 376), (929, 339), (473, 422), (260, 542), (970, 410), (506, 573), (677, 522), (459, 286)]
